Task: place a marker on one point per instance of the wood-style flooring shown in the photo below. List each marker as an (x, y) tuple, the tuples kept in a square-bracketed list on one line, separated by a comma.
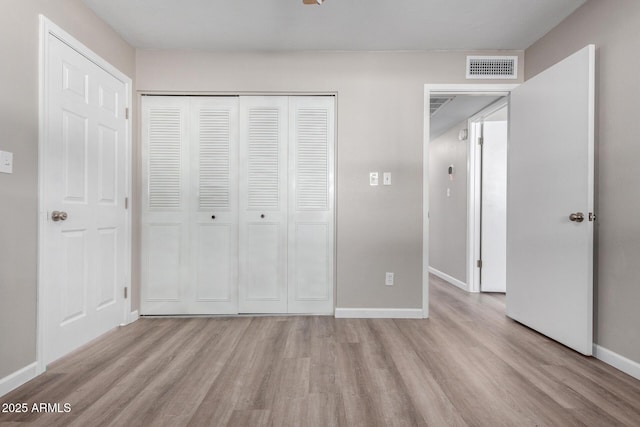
[(468, 365)]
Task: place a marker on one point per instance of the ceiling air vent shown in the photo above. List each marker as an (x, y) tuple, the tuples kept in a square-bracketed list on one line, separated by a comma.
[(492, 67)]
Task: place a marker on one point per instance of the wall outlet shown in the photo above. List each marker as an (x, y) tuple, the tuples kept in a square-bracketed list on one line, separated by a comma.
[(373, 178), (6, 162), (386, 178), (388, 278)]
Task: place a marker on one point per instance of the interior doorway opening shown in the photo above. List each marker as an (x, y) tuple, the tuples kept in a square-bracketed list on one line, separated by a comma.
[(453, 171)]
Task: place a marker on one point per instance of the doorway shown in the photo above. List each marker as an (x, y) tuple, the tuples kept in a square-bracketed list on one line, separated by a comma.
[(463, 126), (457, 175)]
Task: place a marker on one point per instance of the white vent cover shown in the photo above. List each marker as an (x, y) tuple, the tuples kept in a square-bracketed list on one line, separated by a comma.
[(492, 67)]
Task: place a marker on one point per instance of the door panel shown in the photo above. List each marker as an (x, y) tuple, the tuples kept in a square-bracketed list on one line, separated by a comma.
[(190, 216), (550, 258), (214, 205), (165, 213), (263, 204), (310, 222), (163, 259), (264, 260), (494, 206), (84, 175)]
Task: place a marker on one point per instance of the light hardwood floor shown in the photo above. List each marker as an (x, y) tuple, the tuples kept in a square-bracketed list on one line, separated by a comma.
[(468, 365)]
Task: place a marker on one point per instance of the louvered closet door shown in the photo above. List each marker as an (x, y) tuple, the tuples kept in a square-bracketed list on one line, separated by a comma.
[(165, 216), (311, 204), (214, 206), (263, 205)]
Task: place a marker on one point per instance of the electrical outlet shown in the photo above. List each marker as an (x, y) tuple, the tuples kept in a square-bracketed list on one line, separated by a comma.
[(6, 162), (388, 278), (386, 178)]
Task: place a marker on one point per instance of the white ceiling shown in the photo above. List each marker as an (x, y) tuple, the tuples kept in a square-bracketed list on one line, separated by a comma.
[(276, 25)]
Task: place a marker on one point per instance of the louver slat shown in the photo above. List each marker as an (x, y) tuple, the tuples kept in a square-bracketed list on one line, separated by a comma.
[(312, 160), (214, 142), (263, 165), (164, 159)]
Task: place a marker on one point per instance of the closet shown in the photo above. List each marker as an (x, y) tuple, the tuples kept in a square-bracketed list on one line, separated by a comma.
[(238, 204)]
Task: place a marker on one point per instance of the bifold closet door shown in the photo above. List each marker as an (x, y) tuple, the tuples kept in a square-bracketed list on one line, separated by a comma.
[(189, 212), (311, 204), (263, 204)]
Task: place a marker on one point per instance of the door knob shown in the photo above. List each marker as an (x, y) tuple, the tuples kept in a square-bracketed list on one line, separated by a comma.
[(58, 216), (576, 217)]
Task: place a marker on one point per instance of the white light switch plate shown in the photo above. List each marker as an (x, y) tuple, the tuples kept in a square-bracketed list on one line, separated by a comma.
[(373, 178), (386, 178), (388, 278), (6, 162)]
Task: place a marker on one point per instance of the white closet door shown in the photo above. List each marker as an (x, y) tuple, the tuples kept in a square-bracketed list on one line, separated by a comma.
[(263, 205), (311, 199), (213, 193), (165, 213)]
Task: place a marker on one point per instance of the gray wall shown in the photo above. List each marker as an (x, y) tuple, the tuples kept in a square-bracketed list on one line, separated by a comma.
[(448, 214), (613, 28), (380, 128), (19, 35)]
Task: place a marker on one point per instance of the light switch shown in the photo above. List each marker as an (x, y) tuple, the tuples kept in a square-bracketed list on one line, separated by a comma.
[(6, 162), (448, 192), (386, 178), (373, 178)]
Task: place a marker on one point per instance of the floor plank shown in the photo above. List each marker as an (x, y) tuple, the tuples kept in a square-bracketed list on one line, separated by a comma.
[(467, 365)]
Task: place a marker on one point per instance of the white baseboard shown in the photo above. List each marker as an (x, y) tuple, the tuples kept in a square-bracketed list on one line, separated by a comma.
[(378, 313), (616, 360), (133, 316), (458, 283), (19, 377)]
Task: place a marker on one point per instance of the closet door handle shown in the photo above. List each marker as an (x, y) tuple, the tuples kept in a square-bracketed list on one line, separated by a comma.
[(261, 215), (213, 217)]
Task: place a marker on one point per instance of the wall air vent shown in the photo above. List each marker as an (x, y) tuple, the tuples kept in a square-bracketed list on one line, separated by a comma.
[(492, 67), (437, 102)]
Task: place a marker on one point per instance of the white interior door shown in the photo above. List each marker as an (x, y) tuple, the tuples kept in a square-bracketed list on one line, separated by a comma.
[(165, 208), (494, 203), (213, 219), (263, 204), (311, 184), (549, 256), (190, 208), (85, 173)]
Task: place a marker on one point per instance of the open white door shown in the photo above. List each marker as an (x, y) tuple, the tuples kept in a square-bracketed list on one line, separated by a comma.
[(84, 173), (549, 255)]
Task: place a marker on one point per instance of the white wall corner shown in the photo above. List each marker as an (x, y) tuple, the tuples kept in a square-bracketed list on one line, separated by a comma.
[(379, 313), (19, 377), (444, 276), (616, 360)]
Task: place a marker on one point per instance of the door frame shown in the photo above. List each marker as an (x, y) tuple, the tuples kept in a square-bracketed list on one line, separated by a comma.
[(474, 193), (48, 28), (457, 89)]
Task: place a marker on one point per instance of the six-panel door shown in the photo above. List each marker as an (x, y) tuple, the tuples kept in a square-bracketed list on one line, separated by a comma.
[(84, 187)]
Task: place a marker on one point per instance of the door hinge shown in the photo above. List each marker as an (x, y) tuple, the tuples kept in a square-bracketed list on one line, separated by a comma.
[(480, 140), (479, 263), (126, 113), (592, 216), (126, 203), (126, 292)]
